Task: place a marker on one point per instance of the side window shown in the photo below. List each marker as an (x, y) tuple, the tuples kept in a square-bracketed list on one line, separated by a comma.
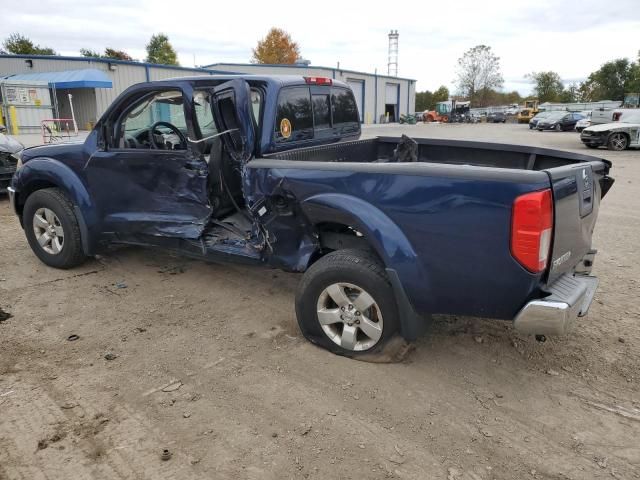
[(344, 110), (294, 118), (136, 123), (204, 114)]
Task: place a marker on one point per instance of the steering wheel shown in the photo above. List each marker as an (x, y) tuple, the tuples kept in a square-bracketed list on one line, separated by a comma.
[(173, 128)]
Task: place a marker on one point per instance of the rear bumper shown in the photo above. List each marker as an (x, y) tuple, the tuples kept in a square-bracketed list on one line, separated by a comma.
[(570, 298)]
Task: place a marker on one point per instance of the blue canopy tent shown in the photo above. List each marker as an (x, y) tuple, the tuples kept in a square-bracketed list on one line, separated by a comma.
[(68, 79), (65, 84)]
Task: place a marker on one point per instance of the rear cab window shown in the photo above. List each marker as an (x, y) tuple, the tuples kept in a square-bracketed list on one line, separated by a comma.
[(305, 113)]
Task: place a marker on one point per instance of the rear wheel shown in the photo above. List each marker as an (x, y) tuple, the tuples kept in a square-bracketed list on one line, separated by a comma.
[(52, 230), (617, 141), (346, 304)]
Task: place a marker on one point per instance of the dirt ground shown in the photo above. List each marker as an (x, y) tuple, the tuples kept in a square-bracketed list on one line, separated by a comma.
[(206, 361)]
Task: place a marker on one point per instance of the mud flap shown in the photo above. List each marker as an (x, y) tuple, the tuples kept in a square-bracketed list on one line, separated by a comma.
[(412, 325)]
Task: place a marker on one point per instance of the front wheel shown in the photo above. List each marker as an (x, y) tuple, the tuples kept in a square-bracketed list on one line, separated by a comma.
[(346, 304), (618, 142), (52, 230), (558, 128)]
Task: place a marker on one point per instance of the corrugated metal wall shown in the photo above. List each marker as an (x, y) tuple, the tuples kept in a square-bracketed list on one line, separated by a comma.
[(124, 75), (84, 106)]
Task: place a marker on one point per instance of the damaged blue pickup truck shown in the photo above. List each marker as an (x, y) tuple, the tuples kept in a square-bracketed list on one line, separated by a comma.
[(271, 171)]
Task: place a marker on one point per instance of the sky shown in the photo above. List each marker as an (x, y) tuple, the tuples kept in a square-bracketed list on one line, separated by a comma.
[(571, 37)]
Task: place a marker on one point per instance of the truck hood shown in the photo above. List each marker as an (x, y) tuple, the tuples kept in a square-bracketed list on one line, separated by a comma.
[(53, 150), (9, 144), (604, 127)]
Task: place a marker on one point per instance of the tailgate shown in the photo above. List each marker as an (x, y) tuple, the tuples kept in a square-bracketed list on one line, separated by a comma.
[(577, 190)]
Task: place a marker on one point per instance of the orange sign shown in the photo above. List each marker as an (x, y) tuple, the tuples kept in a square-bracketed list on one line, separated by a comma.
[(285, 127)]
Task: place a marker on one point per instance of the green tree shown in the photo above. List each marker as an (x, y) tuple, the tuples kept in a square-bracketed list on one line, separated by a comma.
[(108, 53), (440, 95), (478, 73), (427, 100), (276, 48), (547, 86), (611, 80), (86, 52), (117, 54), (424, 100), (571, 93), (19, 44), (159, 50)]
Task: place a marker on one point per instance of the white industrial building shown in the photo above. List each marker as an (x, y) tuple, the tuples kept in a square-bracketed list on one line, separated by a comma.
[(95, 82)]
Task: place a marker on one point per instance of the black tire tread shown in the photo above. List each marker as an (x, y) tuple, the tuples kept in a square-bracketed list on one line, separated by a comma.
[(73, 239), (370, 264)]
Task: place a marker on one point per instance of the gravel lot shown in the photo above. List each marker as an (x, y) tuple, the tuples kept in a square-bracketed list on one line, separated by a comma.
[(207, 362)]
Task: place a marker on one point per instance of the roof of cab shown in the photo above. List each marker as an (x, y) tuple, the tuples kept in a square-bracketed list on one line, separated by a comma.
[(281, 80)]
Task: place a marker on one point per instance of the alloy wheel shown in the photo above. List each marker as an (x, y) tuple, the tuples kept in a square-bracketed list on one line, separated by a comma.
[(618, 141), (349, 316), (48, 230)]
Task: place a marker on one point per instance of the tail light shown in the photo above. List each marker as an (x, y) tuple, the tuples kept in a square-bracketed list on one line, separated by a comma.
[(531, 229), (318, 80)]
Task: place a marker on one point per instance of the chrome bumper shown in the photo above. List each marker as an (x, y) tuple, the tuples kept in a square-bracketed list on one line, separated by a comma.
[(12, 199), (570, 298)]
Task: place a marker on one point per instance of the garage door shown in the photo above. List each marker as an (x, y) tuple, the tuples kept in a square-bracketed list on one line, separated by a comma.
[(391, 93), (358, 91)]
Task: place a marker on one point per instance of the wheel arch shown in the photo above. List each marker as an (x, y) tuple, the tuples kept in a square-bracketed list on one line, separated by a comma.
[(385, 239), (41, 173)]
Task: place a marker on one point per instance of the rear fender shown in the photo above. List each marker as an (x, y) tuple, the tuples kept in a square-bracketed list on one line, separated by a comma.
[(42, 171), (387, 240)]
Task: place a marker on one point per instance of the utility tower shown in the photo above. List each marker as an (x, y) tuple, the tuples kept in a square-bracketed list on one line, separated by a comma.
[(392, 66)]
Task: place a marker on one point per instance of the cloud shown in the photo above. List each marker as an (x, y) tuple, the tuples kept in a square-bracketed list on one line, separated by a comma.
[(570, 37)]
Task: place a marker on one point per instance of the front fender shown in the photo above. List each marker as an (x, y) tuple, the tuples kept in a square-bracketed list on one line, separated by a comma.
[(386, 238), (44, 171)]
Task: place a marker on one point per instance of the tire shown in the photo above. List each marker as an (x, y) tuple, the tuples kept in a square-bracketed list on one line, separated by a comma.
[(618, 141), (48, 215), (558, 128), (352, 277)]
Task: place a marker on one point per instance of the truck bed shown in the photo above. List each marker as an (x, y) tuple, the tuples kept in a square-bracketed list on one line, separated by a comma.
[(451, 152), (454, 208)]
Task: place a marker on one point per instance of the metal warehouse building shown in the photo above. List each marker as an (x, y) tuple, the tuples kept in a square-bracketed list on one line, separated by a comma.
[(95, 82)]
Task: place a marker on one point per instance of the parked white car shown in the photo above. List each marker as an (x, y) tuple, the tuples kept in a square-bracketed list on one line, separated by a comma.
[(615, 135), (585, 122)]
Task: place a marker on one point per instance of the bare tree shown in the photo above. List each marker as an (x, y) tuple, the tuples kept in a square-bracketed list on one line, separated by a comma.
[(478, 73)]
